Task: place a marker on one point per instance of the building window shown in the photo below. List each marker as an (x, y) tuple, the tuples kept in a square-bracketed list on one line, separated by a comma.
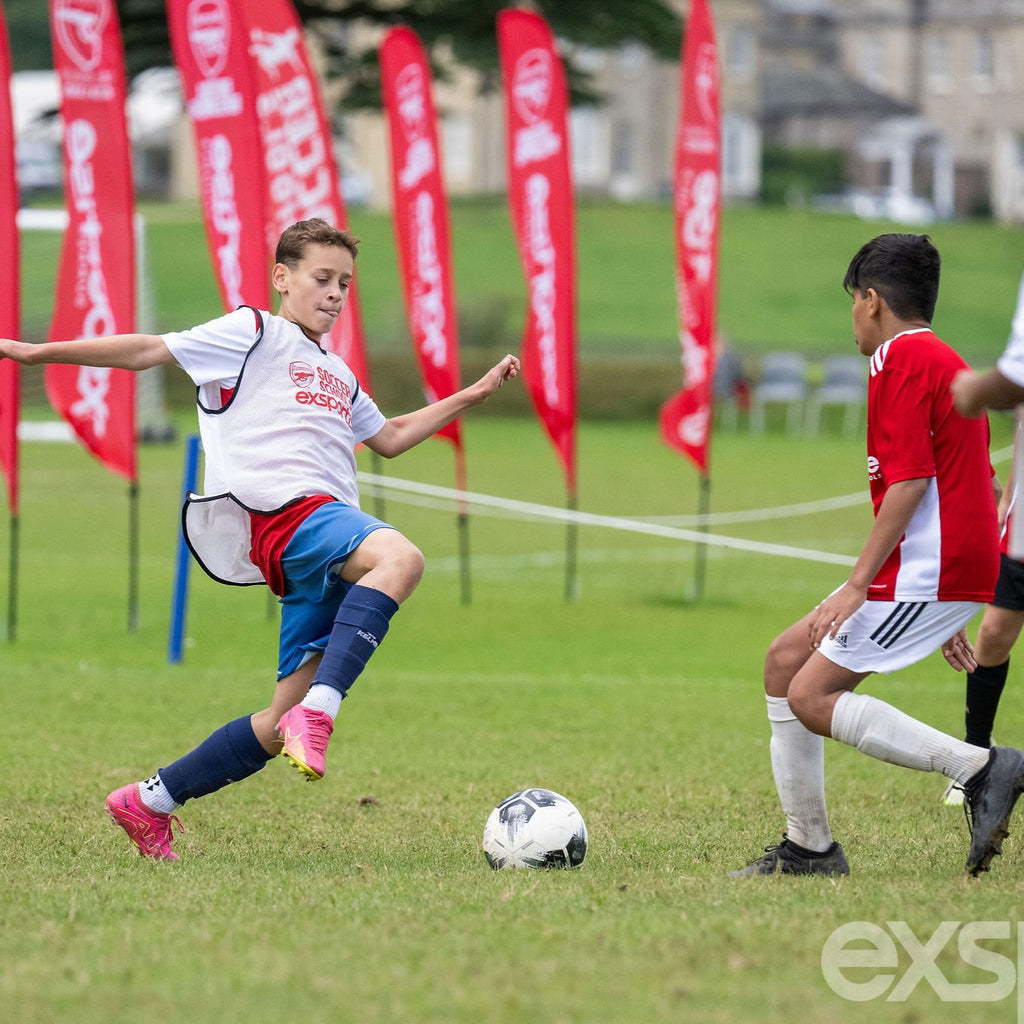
[(739, 53), (732, 149), (939, 64), (589, 147), (741, 157), (457, 148), (872, 61), (623, 144), (984, 60)]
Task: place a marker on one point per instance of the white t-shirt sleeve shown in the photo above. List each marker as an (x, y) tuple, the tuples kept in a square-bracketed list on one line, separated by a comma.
[(214, 352), (367, 419), (1011, 362)]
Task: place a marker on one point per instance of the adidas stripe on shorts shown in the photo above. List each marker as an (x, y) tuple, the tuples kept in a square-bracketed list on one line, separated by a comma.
[(883, 636)]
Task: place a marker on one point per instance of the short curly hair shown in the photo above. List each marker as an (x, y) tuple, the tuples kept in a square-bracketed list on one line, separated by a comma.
[(295, 240)]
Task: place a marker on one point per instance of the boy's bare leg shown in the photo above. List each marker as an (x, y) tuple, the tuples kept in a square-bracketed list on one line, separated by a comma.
[(289, 691), (382, 572)]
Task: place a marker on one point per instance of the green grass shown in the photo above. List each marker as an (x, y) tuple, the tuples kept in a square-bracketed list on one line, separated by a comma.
[(780, 288), (315, 903), (781, 276)]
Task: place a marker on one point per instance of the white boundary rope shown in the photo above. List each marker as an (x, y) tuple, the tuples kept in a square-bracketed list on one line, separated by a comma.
[(672, 527), (390, 484)]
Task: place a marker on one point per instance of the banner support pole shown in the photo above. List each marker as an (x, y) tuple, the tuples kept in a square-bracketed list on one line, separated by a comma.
[(12, 583), (179, 596), (378, 499), (571, 536), (703, 512), (462, 525), (133, 556)]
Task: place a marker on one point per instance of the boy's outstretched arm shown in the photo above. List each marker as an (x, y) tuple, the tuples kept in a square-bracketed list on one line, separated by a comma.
[(973, 393), (122, 351), (401, 433)]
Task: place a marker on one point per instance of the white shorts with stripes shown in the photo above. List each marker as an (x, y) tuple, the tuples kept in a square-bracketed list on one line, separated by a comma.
[(883, 636)]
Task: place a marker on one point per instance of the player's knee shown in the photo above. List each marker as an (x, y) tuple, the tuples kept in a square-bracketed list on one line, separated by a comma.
[(781, 663), (406, 561), (811, 707), (994, 642), (799, 701)]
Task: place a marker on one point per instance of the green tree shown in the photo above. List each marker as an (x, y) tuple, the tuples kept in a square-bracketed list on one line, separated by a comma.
[(29, 28), (454, 32)]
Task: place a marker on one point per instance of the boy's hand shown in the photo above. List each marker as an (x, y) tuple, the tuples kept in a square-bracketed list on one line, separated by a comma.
[(957, 650), (973, 393), (507, 369), (497, 375), (833, 612), (966, 394)]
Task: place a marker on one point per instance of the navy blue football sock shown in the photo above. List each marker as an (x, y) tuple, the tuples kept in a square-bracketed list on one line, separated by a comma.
[(230, 754), (984, 688), (359, 627)]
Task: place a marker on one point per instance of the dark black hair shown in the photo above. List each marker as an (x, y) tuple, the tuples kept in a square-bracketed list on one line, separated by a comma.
[(903, 269)]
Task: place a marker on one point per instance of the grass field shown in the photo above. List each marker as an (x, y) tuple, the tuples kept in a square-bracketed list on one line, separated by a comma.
[(781, 279), (780, 288), (365, 898)]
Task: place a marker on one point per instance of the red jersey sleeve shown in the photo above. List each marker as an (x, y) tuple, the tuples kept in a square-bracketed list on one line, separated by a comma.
[(901, 422)]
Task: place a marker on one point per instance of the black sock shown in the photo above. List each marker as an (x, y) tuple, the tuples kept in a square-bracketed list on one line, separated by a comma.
[(984, 688)]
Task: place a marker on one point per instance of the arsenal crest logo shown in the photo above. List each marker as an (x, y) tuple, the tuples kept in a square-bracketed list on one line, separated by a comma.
[(79, 25), (532, 85), (411, 89), (706, 80), (209, 33), (301, 374)]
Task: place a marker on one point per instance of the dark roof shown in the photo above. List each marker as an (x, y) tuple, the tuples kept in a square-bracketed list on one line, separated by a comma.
[(826, 91)]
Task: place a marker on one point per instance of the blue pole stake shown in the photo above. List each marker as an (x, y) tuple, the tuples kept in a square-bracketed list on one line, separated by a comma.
[(179, 598)]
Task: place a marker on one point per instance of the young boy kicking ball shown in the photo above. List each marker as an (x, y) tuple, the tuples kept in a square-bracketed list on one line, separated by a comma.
[(280, 419)]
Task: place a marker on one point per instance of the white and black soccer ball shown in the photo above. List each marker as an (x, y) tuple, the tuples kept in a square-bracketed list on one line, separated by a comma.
[(535, 828)]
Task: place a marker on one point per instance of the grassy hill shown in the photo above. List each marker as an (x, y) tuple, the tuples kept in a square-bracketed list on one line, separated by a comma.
[(780, 288)]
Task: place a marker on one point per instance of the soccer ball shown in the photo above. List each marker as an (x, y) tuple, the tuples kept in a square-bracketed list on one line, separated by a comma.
[(535, 828)]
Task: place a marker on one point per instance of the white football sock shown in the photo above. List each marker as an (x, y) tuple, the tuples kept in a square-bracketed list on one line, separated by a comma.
[(153, 793), (323, 698), (798, 764), (880, 730)]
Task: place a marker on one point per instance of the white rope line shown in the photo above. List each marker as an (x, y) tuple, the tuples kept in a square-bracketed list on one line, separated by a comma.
[(758, 515), (446, 498), (529, 561), (804, 508), (430, 496), (391, 484)]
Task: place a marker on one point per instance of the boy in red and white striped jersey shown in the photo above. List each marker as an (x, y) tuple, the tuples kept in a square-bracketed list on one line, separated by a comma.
[(929, 564)]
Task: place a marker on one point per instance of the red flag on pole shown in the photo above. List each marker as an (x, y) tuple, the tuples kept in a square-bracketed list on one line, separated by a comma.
[(209, 45), (421, 216), (541, 202), (96, 280), (298, 154), (686, 417), (10, 315)]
